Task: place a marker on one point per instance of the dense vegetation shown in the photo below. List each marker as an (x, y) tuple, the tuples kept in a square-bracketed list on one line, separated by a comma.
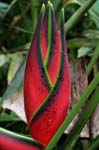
[(18, 20)]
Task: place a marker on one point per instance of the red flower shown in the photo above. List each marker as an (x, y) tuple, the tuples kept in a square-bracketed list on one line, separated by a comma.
[(47, 79)]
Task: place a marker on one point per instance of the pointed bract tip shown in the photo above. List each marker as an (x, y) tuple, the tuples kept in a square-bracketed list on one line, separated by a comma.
[(50, 5), (43, 8), (62, 14)]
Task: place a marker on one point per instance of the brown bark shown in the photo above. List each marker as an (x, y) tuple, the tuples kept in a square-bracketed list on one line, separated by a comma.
[(79, 82)]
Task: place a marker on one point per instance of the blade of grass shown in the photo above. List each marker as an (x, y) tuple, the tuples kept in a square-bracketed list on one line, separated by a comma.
[(93, 59), (73, 136), (23, 14), (74, 111), (70, 24), (95, 144), (15, 83), (81, 42), (9, 7), (35, 12), (92, 34), (11, 117)]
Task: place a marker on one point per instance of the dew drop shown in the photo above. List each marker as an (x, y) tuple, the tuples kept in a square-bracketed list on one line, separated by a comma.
[(54, 110), (49, 122)]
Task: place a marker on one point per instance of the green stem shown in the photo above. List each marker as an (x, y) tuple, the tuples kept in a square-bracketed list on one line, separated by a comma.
[(95, 144), (81, 42), (93, 59), (35, 12), (23, 14), (70, 24), (74, 111), (74, 134)]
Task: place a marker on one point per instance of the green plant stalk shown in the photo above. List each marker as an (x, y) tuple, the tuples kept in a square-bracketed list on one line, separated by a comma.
[(91, 33), (70, 24), (23, 15), (74, 135), (11, 4), (11, 117), (74, 111), (35, 12), (95, 144), (81, 42), (16, 83), (93, 59)]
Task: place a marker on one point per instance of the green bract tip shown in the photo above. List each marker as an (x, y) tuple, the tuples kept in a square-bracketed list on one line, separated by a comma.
[(43, 8), (62, 14), (50, 5)]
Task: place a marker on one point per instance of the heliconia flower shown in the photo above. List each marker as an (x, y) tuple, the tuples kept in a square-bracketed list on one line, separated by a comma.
[(12, 141), (47, 79)]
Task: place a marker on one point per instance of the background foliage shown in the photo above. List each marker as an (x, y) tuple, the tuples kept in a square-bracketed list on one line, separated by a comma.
[(18, 19)]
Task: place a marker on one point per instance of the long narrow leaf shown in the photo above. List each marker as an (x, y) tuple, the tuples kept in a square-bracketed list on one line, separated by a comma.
[(35, 12), (16, 82), (81, 42), (70, 24), (23, 14), (12, 117), (72, 138), (95, 144), (93, 59)]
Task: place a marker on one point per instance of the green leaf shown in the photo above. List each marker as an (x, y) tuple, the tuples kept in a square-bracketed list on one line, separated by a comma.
[(23, 13), (15, 83), (87, 112), (12, 117), (16, 60), (94, 11), (3, 9), (81, 42), (95, 7), (94, 17), (93, 59), (70, 24), (35, 8), (83, 51), (3, 59), (91, 34), (56, 3), (95, 144)]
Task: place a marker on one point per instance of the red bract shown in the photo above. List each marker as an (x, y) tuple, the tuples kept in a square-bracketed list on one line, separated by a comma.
[(9, 141), (47, 79), (36, 87)]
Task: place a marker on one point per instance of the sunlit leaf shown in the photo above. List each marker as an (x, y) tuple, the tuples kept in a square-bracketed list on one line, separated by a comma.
[(3, 59), (93, 59), (83, 51), (8, 117), (16, 83), (14, 65), (3, 8)]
